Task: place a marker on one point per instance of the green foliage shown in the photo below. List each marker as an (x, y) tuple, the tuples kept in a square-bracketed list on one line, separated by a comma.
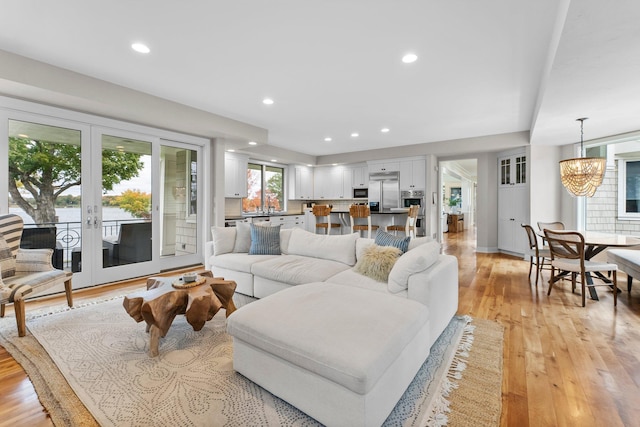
[(47, 169)]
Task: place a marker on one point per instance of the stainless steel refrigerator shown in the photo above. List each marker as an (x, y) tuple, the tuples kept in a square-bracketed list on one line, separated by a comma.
[(384, 191)]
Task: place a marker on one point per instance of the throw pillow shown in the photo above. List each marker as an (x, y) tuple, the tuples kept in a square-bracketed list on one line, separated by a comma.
[(341, 248), (414, 261), (243, 237), (223, 239), (385, 239), (7, 261), (265, 240), (377, 261)]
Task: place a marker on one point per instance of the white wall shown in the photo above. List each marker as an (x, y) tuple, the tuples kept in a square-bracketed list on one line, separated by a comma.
[(487, 203), (545, 187)]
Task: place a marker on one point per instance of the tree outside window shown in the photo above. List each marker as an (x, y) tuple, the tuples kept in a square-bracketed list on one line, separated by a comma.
[(265, 188)]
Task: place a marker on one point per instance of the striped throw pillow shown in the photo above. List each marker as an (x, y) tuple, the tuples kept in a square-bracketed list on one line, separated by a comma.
[(265, 240), (385, 239), (7, 261)]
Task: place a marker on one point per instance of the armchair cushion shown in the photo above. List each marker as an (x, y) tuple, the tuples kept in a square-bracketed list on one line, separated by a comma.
[(33, 260), (7, 261)]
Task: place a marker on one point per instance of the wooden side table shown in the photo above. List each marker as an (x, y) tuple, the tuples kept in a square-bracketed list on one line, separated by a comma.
[(161, 302)]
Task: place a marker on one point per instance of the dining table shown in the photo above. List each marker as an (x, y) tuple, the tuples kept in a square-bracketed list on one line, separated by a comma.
[(595, 242)]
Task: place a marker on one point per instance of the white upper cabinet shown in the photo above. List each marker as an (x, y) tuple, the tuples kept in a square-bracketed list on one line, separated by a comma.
[(512, 170), (328, 182), (302, 188), (412, 174), (235, 175), (385, 166), (360, 176)]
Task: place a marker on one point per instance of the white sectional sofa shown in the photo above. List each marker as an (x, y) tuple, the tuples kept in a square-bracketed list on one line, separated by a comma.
[(421, 274)]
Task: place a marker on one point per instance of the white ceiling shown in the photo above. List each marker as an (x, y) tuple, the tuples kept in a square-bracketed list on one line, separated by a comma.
[(334, 67)]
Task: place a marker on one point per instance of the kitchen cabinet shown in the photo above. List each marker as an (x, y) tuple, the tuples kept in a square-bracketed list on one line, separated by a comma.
[(328, 183), (347, 184), (412, 174), (288, 221), (360, 176), (513, 208), (235, 175), (386, 166), (302, 183), (512, 170)]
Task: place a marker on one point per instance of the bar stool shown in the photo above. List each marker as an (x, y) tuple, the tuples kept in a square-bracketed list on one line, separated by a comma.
[(410, 227), (361, 211), (322, 211)]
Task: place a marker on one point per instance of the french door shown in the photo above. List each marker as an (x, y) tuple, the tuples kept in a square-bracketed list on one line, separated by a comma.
[(112, 203)]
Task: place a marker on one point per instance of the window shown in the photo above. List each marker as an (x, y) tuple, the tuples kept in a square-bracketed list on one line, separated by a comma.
[(265, 188), (629, 189)]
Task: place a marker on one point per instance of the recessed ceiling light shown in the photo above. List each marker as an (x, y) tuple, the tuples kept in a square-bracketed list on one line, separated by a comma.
[(253, 143), (140, 48), (309, 164), (231, 151), (355, 135), (267, 101), (334, 164), (273, 160), (409, 58), (384, 130), (327, 139)]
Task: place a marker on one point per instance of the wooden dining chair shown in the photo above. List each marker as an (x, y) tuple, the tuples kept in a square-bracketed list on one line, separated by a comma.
[(557, 225), (358, 212), (323, 218), (409, 227), (567, 255), (540, 257)]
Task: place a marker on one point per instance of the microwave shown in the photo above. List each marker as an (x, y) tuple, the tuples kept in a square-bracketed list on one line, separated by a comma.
[(360, 193)]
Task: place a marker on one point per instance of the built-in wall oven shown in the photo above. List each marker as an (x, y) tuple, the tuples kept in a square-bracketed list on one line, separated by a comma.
[(409, 198)]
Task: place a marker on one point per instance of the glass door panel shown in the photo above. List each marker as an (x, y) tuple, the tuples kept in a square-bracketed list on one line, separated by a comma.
[(179, 204), (126, 201), (45, 187)]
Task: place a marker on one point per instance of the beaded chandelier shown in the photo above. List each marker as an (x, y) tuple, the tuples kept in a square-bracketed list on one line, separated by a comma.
[(583, 175)]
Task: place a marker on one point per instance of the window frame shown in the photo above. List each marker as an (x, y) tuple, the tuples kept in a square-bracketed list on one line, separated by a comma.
[(263, 184), (622, 190)]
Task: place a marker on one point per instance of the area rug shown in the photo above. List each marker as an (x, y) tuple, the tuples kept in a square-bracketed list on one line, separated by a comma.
[(90, 366)]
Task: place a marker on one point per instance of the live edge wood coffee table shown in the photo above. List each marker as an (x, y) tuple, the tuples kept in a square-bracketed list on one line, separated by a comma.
[(161, 302)]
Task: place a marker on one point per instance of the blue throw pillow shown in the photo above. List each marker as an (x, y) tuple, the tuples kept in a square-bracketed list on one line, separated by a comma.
[(385, 239), (265, 240)]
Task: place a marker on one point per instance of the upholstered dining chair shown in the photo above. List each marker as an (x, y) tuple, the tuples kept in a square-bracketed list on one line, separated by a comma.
[(323, 218), (567, 256), (540, 257), (409, 227), (25, 271), (357, 212)]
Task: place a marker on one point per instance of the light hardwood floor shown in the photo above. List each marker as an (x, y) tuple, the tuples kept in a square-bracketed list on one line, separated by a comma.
[(564, 365)]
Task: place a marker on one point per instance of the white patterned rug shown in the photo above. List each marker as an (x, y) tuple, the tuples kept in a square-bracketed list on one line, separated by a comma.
[(102, 354)]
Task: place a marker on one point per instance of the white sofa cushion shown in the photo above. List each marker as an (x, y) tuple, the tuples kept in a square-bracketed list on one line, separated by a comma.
[(417, 241), (223, 239), (351, 278), (353, 345), (297, 270), (238, 262), (341, 248), (243, 237), (413, 261)]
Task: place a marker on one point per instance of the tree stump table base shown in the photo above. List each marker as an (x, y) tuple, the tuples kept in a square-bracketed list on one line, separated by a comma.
[(161, 302)]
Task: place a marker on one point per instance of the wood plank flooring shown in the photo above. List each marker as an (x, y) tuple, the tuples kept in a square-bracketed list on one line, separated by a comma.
[(564, 365)]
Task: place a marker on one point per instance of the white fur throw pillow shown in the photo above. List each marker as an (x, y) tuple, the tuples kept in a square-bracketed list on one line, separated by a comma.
[(377, 261), (412, 262)]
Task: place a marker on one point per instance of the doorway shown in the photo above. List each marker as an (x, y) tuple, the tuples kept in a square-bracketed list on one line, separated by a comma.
[(458, 193)]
